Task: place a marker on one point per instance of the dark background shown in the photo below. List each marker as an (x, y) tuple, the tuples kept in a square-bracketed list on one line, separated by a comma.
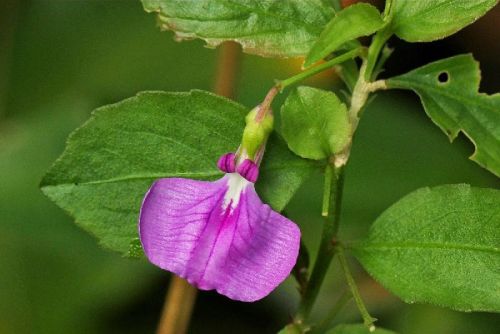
[(61, 59)]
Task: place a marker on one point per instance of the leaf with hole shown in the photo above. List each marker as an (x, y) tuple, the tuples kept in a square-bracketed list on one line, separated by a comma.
[(276, 28), (448, 90), (315, 123), (439, 245), (429, 20), (355, 21), (111, 161), (357, 329)]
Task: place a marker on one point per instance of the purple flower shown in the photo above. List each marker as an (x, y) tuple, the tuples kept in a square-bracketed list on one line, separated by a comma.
[(219, 235)]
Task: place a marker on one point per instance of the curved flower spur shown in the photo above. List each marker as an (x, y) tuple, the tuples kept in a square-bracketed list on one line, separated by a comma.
[(219, 235)]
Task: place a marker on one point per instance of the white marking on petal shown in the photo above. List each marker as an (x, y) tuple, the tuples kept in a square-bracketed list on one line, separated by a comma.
[(236, 184)]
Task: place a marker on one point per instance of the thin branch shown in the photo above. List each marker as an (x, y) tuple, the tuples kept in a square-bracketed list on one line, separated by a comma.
[(368, 320)]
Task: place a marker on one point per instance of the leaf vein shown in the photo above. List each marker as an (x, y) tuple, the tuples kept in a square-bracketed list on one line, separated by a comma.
[(431, 245)]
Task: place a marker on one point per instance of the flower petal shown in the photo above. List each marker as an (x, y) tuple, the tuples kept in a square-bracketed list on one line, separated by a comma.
[(195, 229), (173, 215), (263, 250)]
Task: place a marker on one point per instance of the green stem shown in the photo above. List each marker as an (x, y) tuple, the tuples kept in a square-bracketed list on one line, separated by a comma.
[(348, 71), (384, 55), (388, 8), (327, 190), (319, 68), (332, 314), (300, 270), (367, 319), (360, 93), (376, 46), (378, 42), (265, 106), (335, 178), (337, 5)]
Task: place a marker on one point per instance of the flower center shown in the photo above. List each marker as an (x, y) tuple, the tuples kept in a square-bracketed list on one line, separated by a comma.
[(236, 184)]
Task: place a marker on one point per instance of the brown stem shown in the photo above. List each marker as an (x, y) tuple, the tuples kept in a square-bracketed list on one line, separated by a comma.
[(178, 307), (265, 106), (181, 295), (227, 69)]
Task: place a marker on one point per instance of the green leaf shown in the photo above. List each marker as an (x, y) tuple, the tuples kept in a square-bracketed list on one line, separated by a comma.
[(135, 249), (357, 329), (355, 21), (448, 89), (315, 123), (440, 246), (429, 20), (282, 173), (111, 161), (276, 28)]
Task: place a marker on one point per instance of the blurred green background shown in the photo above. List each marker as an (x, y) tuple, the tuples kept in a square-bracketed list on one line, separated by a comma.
[(61, 59)]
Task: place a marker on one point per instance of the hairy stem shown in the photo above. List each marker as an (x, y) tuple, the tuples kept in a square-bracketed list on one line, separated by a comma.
[(181, 295), (335, 179), (367, 319), (359, 97), (360, 94)]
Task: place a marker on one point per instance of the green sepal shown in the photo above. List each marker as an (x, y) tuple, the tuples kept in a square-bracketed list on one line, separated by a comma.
[(256, 132)]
